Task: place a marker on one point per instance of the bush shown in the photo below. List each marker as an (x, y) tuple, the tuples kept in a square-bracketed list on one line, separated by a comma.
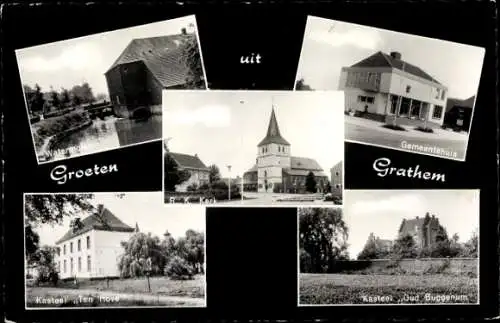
[(438, 268), (192, 188), (55, 125), (47, 276), (178, 269), (394, 127), (424, 129), (278, 188)]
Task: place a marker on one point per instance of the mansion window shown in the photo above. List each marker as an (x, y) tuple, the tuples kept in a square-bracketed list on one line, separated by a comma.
[(71, 247), (88, 242), (58, 251), (71, 265), (408, 89), (79, 245), (367, 99), (438, 111), (65, 267), (88, 263), (64, 249), (79, 264), (362, 79), (59, 266)]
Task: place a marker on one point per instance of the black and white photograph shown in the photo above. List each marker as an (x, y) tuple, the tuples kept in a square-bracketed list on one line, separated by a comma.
[(259, 148), (101, 92), (402, 91), (409, 247), (112, 250)]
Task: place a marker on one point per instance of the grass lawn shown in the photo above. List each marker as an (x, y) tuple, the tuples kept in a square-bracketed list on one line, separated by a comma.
[(390, 289), (159, 286), (129, 292)]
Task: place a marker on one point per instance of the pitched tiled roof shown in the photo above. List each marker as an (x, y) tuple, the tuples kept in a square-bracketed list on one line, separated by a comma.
[(305, 164), (453, 102), (161, 55), (253, 169), (188, 161), (103, 220), (303, 172), (273, 133), (409, 225), (380, 59)]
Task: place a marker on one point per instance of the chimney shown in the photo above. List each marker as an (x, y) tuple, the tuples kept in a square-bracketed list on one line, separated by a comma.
[(396, 55), (100, 207)]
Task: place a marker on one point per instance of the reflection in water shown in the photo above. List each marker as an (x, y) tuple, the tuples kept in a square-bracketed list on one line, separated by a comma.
[(107, 134)]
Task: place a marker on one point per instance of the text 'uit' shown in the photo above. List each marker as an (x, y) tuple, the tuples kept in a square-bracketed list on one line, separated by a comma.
[(251, 59)]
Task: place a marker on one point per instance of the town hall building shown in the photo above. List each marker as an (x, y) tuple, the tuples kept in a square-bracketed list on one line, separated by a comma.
[(276, 170), (384, 86), (93, 248)]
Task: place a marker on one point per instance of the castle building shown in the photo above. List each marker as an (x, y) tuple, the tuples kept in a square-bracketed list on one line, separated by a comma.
[(423, 230), (279, 172), (93, 249), (386, 86)]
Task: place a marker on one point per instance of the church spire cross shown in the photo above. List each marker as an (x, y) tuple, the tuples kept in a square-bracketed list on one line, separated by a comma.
[(273, 132)]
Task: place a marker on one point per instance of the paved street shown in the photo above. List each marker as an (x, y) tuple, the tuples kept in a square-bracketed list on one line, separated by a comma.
[(269, 199), (370, 132)]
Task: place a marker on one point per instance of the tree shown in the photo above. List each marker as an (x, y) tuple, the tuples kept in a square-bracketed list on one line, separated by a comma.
[(32, 243), (195, 249), (310, 182), (192, 59), (65, 98), (173, 176), (404, 247), (36, 100), (214, 175), (137, 250), (301, 86), (323, 236), (178, 268), (54, 97), (372, 250), (471, 247), (44, 261), (82, 94)]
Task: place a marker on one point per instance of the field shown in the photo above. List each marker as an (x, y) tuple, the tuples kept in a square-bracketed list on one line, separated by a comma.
[(126, 292), (387, 289)]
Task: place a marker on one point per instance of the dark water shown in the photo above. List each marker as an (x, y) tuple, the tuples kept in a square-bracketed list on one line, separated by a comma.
[(106, 134)]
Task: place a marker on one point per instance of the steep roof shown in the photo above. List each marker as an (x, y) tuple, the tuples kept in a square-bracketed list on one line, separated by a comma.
[(163, 56), (103, 220), (453, 102), (380, 59), (409, 225), (305, 164), (273, 135), (188, 161)]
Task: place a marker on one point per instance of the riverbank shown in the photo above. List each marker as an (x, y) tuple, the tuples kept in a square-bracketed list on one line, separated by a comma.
[(47, 132)]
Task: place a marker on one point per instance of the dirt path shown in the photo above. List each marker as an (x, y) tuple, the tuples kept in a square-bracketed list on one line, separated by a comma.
[(150, 298)]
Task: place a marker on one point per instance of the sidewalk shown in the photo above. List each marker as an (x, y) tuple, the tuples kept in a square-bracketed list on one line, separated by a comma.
[(438, 134)]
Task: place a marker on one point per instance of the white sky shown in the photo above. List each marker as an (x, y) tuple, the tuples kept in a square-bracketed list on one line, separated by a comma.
[(85, 59), (329, 45), (381, 212), (145, 208), (225, 127)]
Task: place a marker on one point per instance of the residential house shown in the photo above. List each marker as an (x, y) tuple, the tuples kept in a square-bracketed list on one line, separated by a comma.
[(199, 174), (93, 248), (459, 113), (383, 86)]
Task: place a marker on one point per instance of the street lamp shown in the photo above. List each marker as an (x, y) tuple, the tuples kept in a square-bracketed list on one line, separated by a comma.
[(229, 182)]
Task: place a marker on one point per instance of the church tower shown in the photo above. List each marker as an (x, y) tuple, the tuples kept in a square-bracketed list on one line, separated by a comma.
[(272, 156)]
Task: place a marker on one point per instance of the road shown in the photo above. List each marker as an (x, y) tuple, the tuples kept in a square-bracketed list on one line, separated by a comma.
[(268, 199), (394, 139)]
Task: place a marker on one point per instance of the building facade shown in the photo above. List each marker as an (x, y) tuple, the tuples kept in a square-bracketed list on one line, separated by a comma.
[(93, 250), (458, 114), (144, 69), (337, 179), (279, 172), (424, 231), (199, 174), (386, 86)]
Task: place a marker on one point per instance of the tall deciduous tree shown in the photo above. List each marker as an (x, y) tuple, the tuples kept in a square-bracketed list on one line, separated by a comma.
[(323, 236), (404, 247), (214, 175), (192, 59), (65, 98), (310, 182), (137, 250)]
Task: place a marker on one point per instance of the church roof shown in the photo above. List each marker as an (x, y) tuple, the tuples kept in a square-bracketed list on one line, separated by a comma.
[(380, 59), (162, 56), (303, 172), (273, 135), (188, 161), (103, 220), (305, 164)]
